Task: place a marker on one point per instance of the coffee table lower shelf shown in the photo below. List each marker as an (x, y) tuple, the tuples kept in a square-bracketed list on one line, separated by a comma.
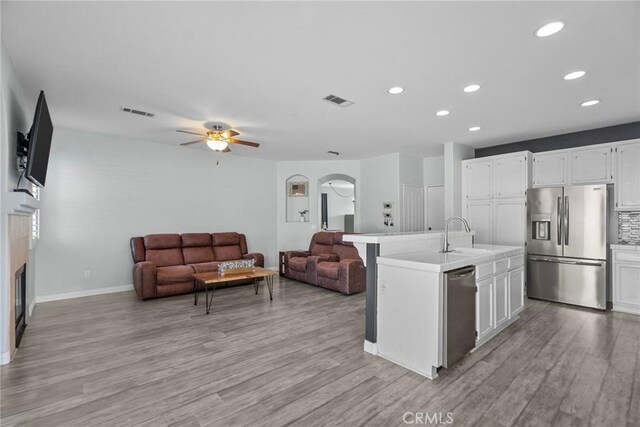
[(213, 278)]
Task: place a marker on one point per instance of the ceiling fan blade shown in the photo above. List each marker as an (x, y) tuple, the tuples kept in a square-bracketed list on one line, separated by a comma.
[(230, 133), (226, 150), (247, 143), (191, 133), (194, 142)]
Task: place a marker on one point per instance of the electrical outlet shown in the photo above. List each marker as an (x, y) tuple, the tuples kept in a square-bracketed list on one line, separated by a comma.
[(87, 274)]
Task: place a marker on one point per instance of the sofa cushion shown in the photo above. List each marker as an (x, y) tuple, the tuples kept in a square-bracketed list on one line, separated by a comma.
[(205, 267), (318, 249), (329, 269), (346, 252), (198, 254), (196, 239), (323, 238), (298, 264), (225, 239), (165, 257), (227, 253), (174, 274), (162, 241)]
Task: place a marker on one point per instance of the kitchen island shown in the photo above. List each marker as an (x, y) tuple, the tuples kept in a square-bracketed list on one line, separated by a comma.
[(411, 310), (406, 293)]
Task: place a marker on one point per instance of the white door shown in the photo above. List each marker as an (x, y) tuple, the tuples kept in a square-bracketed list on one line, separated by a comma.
[(510, 222), (550, 169), (479, 214), (412, 208), (592, 165), (501, 284), (434, 199), (511, 177), (478, 180), (627, 189), (484, 308), (516, 291)]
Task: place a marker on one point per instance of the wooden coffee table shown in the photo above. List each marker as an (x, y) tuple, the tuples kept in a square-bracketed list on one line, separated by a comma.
[(213, 278)]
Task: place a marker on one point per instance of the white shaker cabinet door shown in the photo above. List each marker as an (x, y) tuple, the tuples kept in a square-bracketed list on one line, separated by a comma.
[(501, 284), (479, 214), (484, 308), (478, 178), (627, 176), (516, 291), (510, 222), (592, 165), (511, 177), (550, 169)]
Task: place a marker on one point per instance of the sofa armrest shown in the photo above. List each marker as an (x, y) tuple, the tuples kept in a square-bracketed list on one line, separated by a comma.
[(352, 276), (144, 279), (259, 258)]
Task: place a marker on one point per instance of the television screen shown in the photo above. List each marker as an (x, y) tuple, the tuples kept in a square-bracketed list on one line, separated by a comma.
[(39, 143)]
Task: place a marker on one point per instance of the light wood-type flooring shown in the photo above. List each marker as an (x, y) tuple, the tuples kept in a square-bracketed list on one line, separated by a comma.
[(113, 360)]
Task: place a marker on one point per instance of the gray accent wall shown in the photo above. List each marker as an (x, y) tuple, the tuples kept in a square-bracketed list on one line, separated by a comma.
[(568, 140)]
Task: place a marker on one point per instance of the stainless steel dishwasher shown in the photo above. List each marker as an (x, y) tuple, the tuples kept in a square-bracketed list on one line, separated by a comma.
[(459, 314)]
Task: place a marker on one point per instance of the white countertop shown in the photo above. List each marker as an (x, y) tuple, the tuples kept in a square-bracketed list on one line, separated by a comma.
[(460, 257), (626, 247), (401, 237)]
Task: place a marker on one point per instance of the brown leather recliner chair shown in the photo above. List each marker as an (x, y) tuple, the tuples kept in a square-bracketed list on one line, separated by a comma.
[(164, 264), (330, 263)]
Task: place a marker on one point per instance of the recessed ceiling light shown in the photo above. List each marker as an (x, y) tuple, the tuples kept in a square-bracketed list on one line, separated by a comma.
[(471, 88), (590, 102), (396, 90), (442, 113), (550, 29), (474, 128), (575, 75)]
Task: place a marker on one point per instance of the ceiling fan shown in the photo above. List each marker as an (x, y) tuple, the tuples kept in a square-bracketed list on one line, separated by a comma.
[(218, 136)]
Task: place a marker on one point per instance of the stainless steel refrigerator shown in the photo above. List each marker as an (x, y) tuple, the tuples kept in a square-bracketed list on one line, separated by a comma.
[(567, 245)]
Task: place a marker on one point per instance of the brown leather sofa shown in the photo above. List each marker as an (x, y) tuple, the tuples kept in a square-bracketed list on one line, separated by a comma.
[(164, 264), (330, 263)]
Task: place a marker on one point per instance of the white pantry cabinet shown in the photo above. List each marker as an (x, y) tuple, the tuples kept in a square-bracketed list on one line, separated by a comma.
[(592, 165), (626, 279), (494, 191), (551, 168), (627, 175)]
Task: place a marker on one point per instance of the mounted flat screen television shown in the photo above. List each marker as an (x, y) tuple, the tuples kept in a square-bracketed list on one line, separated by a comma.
[(39, 143)]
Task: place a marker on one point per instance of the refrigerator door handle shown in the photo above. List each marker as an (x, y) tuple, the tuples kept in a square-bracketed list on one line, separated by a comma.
[(559, 221), (562, 261), (566, 220)]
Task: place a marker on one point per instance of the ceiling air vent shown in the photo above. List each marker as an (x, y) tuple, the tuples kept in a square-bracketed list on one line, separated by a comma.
[(138, 112), (340, 102)]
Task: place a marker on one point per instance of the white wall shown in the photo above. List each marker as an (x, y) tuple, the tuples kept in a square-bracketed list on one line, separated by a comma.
[(16, 113), (434, 170), (103, 190), (380, 183), (296, 235), (338, 206), (454, 154)]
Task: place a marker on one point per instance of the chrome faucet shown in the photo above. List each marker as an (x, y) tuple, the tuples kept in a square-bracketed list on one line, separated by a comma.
[(445, 244)]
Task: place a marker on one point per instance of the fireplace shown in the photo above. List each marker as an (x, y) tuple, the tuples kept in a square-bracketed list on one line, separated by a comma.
[(21, 302)]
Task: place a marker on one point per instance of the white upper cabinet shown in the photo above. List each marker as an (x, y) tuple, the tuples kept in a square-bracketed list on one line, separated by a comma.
[(511, 176), (627, 175), (592, 165), (479, 180), (551, 168)]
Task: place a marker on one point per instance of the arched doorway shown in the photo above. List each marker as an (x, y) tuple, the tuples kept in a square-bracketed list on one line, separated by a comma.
[(337, 203)]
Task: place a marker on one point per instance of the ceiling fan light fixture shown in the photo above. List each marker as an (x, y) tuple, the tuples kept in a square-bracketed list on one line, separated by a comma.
[(217, 144)]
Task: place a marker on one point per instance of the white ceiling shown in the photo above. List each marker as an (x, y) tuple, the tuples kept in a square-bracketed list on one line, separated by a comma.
[(264, 67)]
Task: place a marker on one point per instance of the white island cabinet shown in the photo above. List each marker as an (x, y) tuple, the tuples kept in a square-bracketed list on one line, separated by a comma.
[(626, 278), (410, 292)]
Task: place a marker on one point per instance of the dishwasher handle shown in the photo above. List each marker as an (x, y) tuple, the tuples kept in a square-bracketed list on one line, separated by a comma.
[(462, 273)]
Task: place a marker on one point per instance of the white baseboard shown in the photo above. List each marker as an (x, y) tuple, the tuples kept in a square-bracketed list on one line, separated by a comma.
[(371, 347), (87, 293), (626, 309), (5, 358), (272, 268)]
